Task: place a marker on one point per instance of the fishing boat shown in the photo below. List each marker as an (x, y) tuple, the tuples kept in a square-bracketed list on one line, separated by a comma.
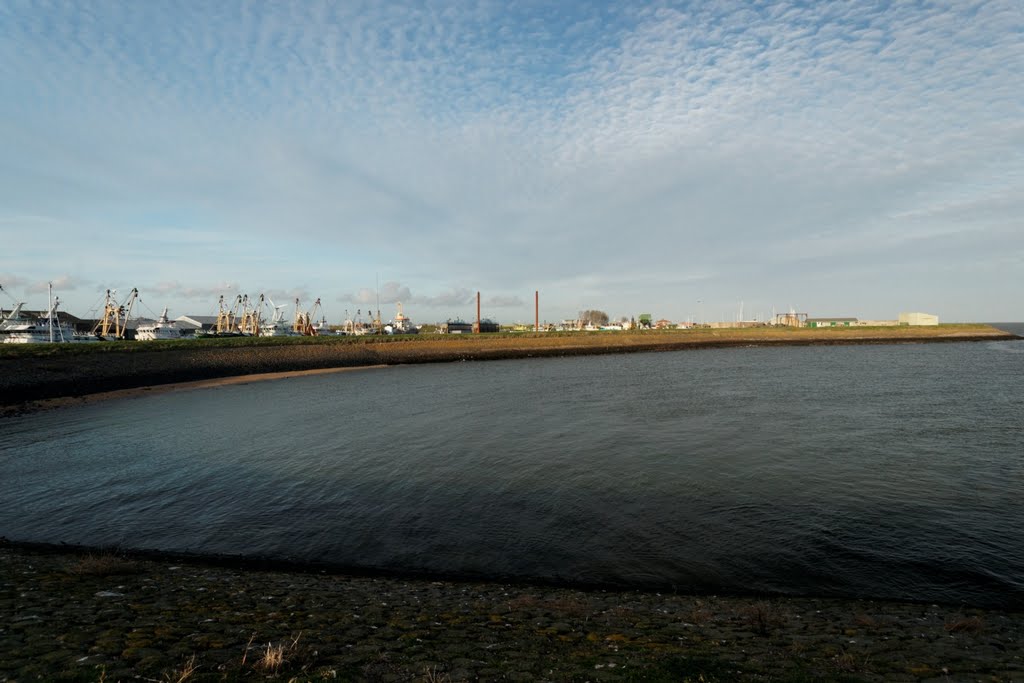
[(45, 329), (304, 324), (227, 325), (401, 324), (114, 323), (13, 318), (161, 329), (278, 326), (251, 322), (323, 328)]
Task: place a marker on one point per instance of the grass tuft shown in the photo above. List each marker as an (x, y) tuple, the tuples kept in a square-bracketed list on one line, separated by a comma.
[(432, 675), (273, 657), (187, 669), (106, 564), (764, 617), (865, 621), (964, 624)]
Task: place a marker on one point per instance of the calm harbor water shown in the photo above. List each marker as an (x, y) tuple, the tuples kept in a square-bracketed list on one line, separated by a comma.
[(890, 471)]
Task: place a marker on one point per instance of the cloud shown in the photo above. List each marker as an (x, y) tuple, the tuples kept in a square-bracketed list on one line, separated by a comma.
[(390, 292), (452, 298), (288, 296), (208, 292), (700, 150), (504, 301), (394, 292), (9, 282), (61, 283)]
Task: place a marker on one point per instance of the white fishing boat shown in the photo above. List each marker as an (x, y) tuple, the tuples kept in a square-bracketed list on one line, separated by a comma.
[(278, 326), (160, 329), (46, 329), (323, 328), (13, 318), (401, 324)]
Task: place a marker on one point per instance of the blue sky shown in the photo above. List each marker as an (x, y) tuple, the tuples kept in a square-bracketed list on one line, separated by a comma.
[(855, 158)]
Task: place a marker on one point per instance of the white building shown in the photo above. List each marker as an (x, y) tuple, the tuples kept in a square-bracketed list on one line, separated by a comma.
[(916, 319)]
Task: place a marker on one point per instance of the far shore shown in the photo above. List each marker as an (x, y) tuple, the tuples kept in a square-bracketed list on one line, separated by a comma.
[(52, 376)]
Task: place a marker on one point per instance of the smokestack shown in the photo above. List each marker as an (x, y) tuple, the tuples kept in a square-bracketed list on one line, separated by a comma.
[(478, 312), (536, 311)]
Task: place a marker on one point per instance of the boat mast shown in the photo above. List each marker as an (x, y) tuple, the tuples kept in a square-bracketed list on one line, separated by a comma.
[(49, 301), (379, 327), (132, 296), (221, 315)]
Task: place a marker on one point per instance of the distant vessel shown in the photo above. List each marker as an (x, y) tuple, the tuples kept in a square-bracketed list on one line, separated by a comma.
[(322, 328), (48, 329), (304, 324), (161, 329), (13, 318), (251, 322), (226, 321), (401, 324), (114, 323), (278, 326)]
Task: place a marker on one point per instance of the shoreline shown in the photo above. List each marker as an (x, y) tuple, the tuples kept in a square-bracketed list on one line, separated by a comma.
[(156, 389), (28, 377), (290, 565), (79, 616)]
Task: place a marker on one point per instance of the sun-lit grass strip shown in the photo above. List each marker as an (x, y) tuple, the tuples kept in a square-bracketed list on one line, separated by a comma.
[(500, 340)]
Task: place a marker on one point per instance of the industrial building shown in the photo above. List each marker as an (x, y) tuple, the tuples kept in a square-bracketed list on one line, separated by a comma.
[(486, 326), (918, 319), (455, 327), (791, 319), (830, 322)]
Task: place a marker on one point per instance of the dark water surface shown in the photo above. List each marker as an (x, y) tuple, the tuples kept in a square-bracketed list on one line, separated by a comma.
[(890, 471)]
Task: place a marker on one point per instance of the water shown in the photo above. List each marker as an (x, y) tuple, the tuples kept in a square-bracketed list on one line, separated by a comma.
[(875, 471)]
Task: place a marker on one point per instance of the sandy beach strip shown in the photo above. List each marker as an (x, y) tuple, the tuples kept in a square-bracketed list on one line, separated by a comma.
[(138, 392)]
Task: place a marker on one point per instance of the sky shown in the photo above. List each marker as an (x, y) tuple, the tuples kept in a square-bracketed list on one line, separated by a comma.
[(681, 159)]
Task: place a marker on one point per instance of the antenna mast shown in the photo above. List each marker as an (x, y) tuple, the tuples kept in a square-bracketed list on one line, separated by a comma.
[(49, 299)]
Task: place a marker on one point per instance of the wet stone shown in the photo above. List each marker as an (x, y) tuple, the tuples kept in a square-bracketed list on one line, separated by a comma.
[(463, 631)]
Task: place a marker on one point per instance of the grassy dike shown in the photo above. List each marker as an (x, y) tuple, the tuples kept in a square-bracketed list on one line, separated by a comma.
[(35, 372)]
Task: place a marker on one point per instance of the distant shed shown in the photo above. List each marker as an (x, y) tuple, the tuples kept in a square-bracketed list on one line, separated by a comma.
[(831, 322), (188, 324), (455, 327), (918, 319), (486, 325)]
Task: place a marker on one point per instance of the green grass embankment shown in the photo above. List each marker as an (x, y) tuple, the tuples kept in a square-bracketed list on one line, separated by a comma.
[(32, 372)]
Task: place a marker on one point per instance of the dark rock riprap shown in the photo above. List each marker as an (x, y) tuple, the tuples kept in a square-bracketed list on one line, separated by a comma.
[(70, 616)]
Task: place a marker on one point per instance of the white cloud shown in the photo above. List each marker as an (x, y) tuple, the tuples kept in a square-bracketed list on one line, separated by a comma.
[(452, 298), (636, 156), (289, 296), (10, 282), (59, 284), (229, 290), (505, 302)]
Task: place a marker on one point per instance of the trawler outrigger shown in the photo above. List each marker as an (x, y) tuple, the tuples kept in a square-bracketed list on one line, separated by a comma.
[(114, 323)]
